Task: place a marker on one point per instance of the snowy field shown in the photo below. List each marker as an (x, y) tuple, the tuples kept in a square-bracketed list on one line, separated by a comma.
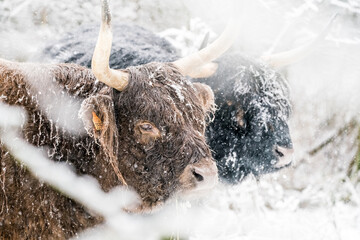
[(318, 197)]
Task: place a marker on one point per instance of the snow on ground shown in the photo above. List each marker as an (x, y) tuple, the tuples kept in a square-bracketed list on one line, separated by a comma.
[(313, 199)]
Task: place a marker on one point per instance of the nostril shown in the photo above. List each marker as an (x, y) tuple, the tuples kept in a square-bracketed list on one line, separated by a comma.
[(197, 176), (285, 156), (280, 154)]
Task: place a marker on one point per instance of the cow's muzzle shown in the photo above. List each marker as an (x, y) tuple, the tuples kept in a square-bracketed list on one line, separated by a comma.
[(285, 156), (206, 175), (199, 177)]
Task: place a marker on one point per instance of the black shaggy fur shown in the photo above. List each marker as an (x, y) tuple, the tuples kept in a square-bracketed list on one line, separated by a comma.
[(251, 120)]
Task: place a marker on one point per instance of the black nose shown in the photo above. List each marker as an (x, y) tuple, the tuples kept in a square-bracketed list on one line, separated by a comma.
[(197, 176)]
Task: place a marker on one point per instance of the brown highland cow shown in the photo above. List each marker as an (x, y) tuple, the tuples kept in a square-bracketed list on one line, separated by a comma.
[(142, 127)]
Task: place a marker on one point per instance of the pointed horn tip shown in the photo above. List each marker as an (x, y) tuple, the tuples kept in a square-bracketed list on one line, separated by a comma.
[(105, 12)]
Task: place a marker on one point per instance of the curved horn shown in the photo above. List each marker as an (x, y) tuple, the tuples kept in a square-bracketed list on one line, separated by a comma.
[(199, 64), (100, 61), (295, 55)]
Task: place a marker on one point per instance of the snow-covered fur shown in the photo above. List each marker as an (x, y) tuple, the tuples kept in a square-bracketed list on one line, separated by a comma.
[(252, 99), (132, 45), (60, 100), (251, 120)]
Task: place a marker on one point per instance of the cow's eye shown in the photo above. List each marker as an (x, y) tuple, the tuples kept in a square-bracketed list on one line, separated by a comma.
[(146, 127), (146, 132), (271, 127)]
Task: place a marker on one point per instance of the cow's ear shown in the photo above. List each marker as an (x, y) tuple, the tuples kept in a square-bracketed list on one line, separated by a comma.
[(206, 96), (97, 114), (98, 124)]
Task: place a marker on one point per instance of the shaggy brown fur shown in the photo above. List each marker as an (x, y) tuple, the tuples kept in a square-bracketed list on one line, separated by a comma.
[(157, 93), (170, 101)]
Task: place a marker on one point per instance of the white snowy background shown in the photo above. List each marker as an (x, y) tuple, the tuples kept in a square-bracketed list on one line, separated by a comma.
[(316, 198)]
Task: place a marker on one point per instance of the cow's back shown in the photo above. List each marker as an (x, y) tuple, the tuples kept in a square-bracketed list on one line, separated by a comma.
[(132, 46)]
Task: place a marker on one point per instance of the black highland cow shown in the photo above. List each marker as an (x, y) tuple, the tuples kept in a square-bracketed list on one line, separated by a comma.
[(249, 133)]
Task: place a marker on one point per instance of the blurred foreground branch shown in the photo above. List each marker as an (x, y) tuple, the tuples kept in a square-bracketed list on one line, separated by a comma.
[(84, 190)]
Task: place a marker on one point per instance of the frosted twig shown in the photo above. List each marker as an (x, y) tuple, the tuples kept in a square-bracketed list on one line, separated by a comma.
[(348, 127), (19, 8), (347, 5), (308, 4), (2, 182)]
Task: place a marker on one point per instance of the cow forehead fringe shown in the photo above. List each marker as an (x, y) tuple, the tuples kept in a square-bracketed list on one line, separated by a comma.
[(272, 88), (158, 73), (164, 84)]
